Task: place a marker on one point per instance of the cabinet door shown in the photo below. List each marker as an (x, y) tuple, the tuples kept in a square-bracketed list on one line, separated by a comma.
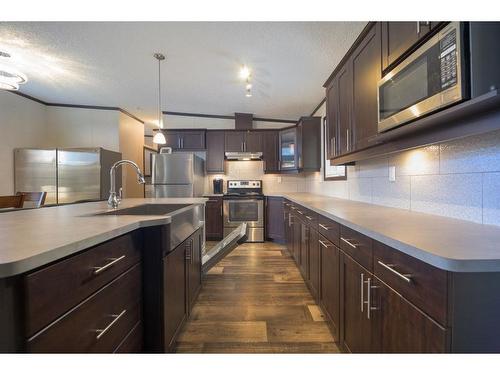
[(270, 151), (330, 281), (331, 131), (366, 72), (274, 218), (356, 324), (399, 327), (215, 152), (314, 263), (174, 280), (172, 139), (234, 141), (288, 155), (193, 140), (344, 94), (399, 37), (304, 251), (193, 252), (297, 229), (213, 219), (253, 141)]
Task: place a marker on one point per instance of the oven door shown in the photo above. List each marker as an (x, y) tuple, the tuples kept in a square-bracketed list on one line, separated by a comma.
[(250, 211), (429, 79)]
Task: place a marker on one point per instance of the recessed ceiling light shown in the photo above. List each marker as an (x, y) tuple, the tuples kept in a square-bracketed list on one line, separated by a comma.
[(244, 72)]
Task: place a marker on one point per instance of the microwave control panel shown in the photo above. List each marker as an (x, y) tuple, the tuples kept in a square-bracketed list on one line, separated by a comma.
[(448, 57)]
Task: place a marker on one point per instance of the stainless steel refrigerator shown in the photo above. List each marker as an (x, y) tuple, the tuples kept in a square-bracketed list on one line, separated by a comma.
[(180, 174), (68, 175)]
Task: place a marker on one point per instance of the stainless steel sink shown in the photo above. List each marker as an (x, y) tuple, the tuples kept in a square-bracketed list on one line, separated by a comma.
[(148, 209), (185, 219)]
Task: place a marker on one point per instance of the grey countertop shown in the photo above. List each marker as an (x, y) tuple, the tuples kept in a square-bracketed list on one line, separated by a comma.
[(32, 238), (450, 244)]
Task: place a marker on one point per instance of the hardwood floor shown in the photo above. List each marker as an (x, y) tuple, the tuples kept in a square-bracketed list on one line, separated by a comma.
[(255, 301)]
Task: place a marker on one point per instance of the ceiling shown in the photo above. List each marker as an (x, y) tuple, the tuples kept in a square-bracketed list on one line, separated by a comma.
[(111, 64)]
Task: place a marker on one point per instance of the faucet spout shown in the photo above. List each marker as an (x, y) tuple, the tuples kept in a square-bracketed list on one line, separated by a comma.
[(113, 199)]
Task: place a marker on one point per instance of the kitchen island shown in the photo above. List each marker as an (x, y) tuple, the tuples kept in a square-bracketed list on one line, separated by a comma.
[(84, 278)]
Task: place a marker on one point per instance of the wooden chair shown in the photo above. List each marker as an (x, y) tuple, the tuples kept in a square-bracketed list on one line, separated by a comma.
[(37, 197), (12, 201)]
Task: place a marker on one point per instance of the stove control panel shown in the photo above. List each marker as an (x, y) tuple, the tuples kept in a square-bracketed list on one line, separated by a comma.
[(244, 184)]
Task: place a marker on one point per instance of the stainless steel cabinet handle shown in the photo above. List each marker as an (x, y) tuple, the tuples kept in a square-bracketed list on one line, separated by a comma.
[(349, 243), (389, 267), (362, 283), (324, 244), (98, 270), (300, 212), (418, 27), (324, 227), (309, 217), (334, 146), (102, 332), (347, 139), (369, 307)]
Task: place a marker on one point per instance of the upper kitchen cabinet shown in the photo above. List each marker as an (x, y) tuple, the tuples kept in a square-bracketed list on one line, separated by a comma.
[(299, 146), (400, 37), (270, 150), (243, 141), (215, 152), (366, 72), (188, 140)]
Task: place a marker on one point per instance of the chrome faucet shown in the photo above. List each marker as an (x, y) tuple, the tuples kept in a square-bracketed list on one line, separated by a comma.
[(114, 200)]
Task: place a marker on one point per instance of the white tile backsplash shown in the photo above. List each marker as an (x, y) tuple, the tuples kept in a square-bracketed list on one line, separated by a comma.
[(459, 179)]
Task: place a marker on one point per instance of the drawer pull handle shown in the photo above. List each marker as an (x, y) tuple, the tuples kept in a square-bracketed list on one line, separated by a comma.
[(389, 267), (309, 217), (102, 332), (98, 270), (300, 212), (324, 244), (349, 243), (324, 227)]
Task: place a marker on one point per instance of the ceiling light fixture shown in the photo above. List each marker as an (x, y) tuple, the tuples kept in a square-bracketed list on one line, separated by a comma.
[(10, 78), (245, 72), (159, 137)]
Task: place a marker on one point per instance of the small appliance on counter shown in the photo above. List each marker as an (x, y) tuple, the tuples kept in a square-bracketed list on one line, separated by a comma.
[(218, 185), (244, 203)]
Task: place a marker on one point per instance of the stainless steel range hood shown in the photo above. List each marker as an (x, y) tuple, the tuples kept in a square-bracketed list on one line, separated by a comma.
[(243, 156)]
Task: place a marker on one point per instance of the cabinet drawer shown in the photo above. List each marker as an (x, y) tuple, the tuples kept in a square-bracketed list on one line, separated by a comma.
[(97, 325), (311, 219), (358, 246), (329, 229), (132, 343), (300, 212), (53, 290), (422, 284)]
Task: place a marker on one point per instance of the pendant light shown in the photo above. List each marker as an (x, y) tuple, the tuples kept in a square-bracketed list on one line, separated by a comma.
[(159, 137), (10, 78)]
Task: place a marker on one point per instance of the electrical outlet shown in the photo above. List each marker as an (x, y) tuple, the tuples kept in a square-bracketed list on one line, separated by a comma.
[(392, 173), (279, 179)]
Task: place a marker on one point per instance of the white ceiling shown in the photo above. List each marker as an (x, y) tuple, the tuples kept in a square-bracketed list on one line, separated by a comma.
[(111, 64)]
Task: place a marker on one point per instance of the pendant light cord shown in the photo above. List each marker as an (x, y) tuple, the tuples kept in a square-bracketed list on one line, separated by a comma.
[(160, 123)]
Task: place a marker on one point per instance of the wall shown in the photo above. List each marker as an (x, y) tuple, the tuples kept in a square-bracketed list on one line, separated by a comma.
[(81, 127), (458, 179), (131, 134), (22, 124)]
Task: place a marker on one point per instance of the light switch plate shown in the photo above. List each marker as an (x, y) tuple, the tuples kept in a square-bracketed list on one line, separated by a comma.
[(392, 173)]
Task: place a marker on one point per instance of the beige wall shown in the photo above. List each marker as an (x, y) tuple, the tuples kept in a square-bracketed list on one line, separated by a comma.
[(22, 124), (131, 136)]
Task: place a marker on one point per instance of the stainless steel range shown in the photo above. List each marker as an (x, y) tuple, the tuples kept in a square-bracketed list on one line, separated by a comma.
[(244, 203)]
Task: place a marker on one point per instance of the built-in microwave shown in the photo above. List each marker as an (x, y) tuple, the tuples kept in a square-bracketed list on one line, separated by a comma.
[(432, 77)]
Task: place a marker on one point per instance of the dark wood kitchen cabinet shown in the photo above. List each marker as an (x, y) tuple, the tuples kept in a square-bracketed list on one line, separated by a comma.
[(275, 219), (314, 278), (187, 140), (215, 162), (330, 283), (399, 37), (366, 72), (193, 260), (304, 250), (243, 141), (270, 150), (344, 103), (214, 226), (400, 327), (355, 296), (332, 130)]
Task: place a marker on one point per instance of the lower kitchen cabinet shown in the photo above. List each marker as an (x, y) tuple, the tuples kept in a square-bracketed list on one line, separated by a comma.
[(304, 250), (355, 297), (314, 264), (214, 226), (275, 228), (330, 283), (399, 327), (193, 258)]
